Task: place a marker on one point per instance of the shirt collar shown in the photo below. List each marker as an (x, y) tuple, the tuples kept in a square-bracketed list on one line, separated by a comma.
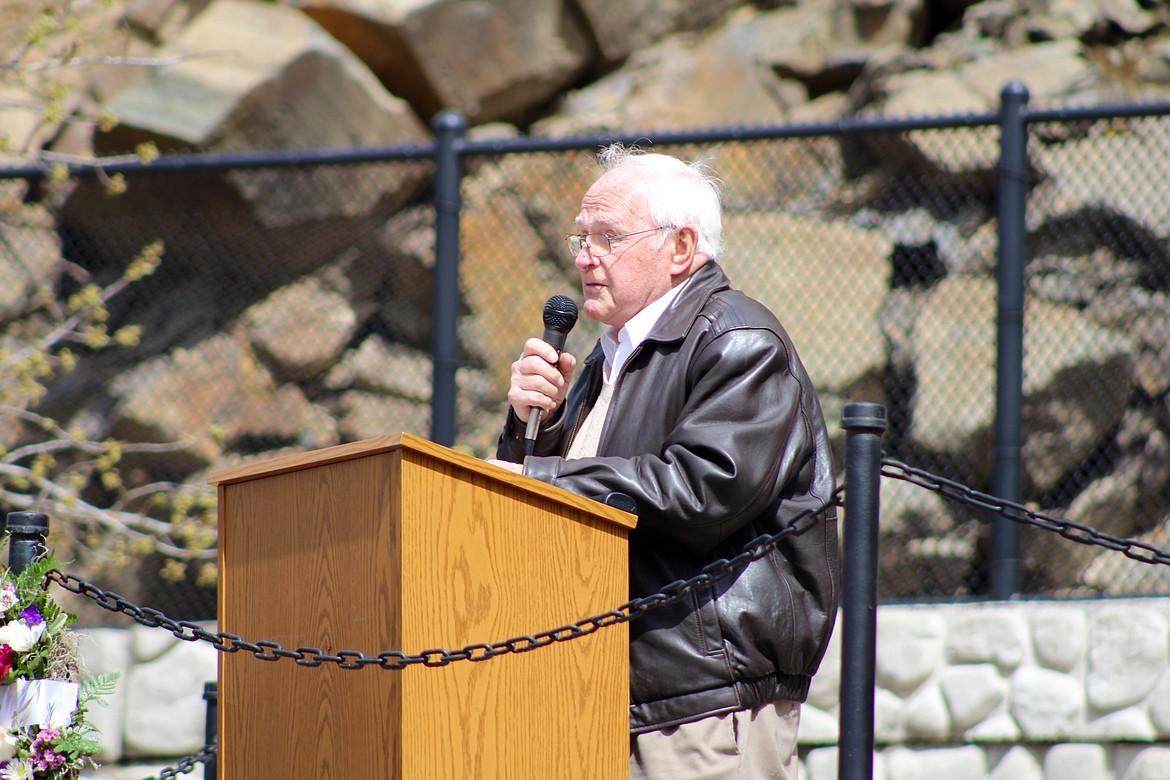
[(619, 344)]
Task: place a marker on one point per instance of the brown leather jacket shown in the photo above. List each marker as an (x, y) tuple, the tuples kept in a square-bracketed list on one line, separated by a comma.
[(716, 433)]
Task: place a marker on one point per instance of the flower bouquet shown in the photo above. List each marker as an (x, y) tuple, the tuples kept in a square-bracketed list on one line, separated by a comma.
[(44, 702)]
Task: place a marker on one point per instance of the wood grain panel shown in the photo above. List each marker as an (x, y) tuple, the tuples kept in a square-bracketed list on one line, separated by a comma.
[(316, 565), (504, 566), (398, 543)]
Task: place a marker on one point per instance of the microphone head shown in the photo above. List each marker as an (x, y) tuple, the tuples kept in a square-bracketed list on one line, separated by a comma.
[(560, 314)]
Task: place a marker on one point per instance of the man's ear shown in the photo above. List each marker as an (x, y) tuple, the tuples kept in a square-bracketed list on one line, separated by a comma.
[(685, 246)]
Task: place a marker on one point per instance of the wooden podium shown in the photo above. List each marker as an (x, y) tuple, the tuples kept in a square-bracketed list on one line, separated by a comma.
[(397, 543)]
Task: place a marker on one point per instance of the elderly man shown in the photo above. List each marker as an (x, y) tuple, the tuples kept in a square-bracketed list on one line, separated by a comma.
[(695, 404)]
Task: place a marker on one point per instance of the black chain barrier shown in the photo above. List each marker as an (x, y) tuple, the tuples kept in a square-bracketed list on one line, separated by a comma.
[(757, 548), (396, 659), (187, 764), (1019, 513)]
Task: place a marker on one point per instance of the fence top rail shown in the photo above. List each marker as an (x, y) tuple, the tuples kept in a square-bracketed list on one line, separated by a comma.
[(856, 126), (1115, 111), (210, 161), (534, 144)]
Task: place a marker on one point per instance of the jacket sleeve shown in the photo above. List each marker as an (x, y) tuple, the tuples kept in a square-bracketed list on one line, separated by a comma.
[(510, 445), (738, 440)]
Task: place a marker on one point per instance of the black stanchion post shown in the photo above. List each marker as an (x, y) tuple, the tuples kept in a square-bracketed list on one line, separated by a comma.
[(864, 424), (1009, 372), (448, 127), (211, 725), (27, 541)]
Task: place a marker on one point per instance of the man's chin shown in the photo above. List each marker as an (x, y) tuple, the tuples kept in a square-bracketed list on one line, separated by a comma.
[(594, 310)]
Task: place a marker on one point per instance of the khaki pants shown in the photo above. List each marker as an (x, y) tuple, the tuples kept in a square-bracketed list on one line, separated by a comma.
[(755, 744)]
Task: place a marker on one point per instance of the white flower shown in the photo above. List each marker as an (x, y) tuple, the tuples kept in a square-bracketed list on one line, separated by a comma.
[(7, 744), (17, 770), (8, 597), (20, 637)]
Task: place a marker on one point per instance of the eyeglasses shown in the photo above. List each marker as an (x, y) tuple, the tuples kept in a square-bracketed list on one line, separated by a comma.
[(600, 244)]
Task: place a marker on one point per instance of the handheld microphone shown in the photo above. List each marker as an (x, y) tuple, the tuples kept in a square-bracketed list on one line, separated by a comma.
[(560, 315)]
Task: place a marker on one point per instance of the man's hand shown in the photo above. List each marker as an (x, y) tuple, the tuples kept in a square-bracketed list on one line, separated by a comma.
[(540, 379), (507, 464)]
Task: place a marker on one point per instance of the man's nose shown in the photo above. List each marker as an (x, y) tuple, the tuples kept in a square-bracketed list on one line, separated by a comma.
[(585, 258)]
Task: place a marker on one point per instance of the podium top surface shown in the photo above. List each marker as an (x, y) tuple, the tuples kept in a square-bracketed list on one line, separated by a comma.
[(405, 442)]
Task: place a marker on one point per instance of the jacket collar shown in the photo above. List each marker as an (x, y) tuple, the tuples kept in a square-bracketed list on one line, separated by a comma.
[(676, 321)]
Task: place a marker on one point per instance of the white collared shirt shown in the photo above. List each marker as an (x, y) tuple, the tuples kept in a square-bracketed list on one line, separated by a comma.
[(619, 344)]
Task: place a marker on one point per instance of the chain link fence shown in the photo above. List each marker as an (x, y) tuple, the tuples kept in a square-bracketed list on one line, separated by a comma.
[(295, 308)]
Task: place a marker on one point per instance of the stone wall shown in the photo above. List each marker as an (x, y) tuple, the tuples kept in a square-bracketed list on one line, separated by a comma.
[(1028, 690)]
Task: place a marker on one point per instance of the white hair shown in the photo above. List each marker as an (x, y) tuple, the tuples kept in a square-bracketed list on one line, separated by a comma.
[(675, 192)]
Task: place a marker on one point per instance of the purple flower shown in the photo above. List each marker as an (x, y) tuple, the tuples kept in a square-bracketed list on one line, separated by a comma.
[(32, 616), (48, 735), (45, 759)]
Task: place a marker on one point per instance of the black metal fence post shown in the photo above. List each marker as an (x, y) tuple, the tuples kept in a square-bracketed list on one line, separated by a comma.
[(1009, 392), (448, 127), (864, 424), (27, 541), (211, 725)]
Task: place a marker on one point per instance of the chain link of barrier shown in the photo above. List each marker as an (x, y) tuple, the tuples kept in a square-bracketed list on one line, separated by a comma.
[(396, 659), (187, 764), (1019, 513)]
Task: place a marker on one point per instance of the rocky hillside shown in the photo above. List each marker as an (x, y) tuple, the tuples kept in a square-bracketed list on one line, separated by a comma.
[(299, 364)]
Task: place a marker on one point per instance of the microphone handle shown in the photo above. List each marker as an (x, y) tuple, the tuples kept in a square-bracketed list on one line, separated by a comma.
[(555, 339), (533, 427)]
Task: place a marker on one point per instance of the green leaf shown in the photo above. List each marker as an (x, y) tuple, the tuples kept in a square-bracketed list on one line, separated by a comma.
[(98, 686)]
